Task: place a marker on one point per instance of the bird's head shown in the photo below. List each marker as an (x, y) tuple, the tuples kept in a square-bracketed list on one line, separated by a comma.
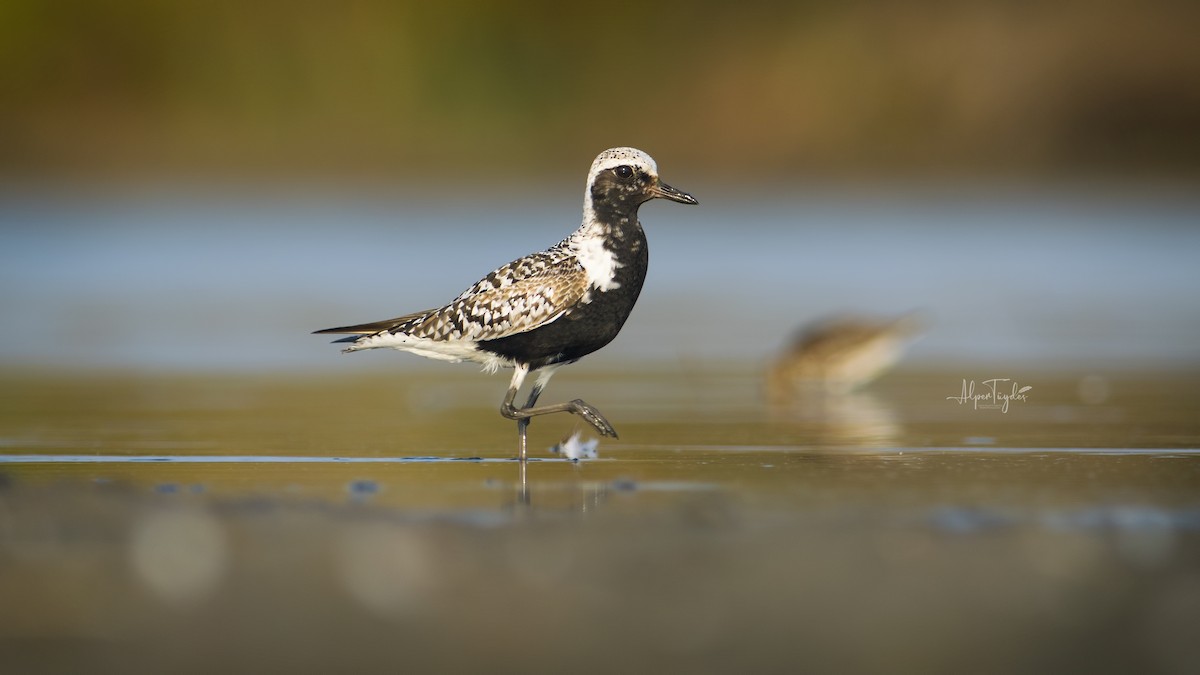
[(629, 176)]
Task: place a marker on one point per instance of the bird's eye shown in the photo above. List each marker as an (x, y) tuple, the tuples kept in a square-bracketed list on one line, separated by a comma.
[(624, 171)]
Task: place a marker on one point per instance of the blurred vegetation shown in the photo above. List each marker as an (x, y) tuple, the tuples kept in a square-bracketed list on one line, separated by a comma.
[(98, 88)]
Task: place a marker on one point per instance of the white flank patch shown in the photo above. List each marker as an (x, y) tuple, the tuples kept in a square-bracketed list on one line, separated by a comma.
[(598, 262)]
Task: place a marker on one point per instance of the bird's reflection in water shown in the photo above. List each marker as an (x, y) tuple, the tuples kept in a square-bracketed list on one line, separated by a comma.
[(562, 496), (559, 498), (828, 418), (523, 483)]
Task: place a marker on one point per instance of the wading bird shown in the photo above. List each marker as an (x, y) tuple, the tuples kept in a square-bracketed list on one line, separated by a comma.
[(549, 308)]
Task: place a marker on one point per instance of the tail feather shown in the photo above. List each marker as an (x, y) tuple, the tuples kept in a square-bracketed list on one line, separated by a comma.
[(371, 328)]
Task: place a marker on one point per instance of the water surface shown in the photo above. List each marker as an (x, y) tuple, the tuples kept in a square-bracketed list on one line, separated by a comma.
[(153, 523)]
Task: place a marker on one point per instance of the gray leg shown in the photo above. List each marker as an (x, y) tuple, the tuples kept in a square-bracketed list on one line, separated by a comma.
[(523, 423), (523, 415), (514, 386)]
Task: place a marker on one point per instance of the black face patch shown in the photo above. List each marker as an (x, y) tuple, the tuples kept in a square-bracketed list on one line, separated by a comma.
[(622, 185)]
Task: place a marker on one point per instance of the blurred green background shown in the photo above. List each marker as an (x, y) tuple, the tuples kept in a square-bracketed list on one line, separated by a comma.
[(131, 88)]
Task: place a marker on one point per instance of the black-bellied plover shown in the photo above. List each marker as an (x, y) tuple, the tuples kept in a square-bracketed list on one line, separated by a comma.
[(549, 308)]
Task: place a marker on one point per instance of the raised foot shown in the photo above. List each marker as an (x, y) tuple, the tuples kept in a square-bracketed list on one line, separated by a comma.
[(593, 417)]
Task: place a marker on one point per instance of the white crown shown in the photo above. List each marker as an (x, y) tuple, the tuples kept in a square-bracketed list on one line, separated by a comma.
[(614, 157)]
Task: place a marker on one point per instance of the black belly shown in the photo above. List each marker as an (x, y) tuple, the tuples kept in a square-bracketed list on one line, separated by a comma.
[(587, 327), (572, 336)]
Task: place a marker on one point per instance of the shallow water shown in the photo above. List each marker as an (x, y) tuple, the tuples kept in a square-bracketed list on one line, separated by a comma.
[(155, 523)]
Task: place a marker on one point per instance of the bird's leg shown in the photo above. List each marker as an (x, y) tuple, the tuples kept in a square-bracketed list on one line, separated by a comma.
[(523, 423), (519, 414), (576, 407), (522, 415), (508, 410), (522, 441), (505, 409)]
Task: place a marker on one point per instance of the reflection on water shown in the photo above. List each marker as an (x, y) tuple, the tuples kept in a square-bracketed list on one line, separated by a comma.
[(208, 524), (853, 419)]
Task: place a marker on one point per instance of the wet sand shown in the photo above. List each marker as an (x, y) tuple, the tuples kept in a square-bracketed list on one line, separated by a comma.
[(156, 523)]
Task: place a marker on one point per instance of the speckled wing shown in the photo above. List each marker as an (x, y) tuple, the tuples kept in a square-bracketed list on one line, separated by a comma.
[(556, 260), (518, 297)]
